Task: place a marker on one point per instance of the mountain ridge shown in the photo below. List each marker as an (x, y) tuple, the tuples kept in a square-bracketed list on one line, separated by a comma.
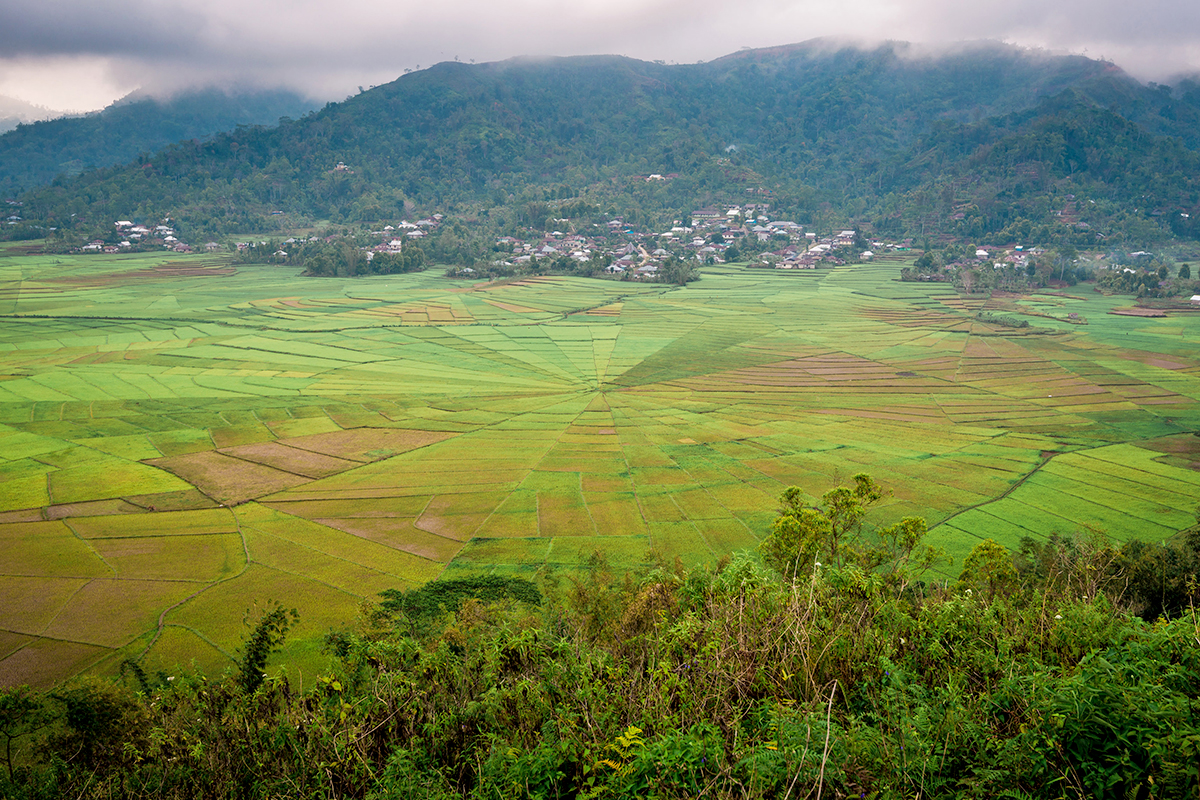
[(36, 152), (811, 124)]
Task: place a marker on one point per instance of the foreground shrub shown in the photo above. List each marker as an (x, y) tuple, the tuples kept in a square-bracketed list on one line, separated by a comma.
[(859, 678)]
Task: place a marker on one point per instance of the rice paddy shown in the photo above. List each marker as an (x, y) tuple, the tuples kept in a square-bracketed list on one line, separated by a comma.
[(181, 439)]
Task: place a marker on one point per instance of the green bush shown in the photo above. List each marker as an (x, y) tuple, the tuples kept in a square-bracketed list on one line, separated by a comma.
[(1029, 677)]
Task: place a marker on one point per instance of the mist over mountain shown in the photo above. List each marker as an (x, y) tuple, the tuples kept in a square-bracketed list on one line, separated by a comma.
[(35, 153), (14, 112), (983, 141)]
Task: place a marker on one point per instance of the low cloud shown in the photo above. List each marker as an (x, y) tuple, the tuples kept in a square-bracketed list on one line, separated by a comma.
[(328, 50)]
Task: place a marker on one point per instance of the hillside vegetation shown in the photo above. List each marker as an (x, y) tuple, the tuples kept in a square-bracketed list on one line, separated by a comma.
[(987, 142), (35, 154), (830, 670)]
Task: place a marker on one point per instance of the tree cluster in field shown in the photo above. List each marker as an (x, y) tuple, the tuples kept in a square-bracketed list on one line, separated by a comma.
[(1002, 320), (336, 256), (1142, 274), (1149, 281), (828, 664)]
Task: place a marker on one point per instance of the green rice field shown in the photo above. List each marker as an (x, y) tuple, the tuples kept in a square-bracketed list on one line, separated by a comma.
[(182, 439)]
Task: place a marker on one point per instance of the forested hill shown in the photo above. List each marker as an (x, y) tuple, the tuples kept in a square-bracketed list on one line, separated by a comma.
[(983, 141), (34, 154)]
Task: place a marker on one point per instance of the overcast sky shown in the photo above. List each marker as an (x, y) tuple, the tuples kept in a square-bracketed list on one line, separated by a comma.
[(82, 54)]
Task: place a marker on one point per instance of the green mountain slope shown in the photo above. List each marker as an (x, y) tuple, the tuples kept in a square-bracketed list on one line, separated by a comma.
[(33, 155), (891, 136)]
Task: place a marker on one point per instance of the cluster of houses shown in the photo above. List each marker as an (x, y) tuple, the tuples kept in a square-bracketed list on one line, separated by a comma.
[(135, 236), (395, 237), (714, 234), (1000, 257), (707, 237), (130, 236)]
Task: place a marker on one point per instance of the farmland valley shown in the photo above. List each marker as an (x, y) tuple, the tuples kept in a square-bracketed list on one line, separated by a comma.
[(182, 437)]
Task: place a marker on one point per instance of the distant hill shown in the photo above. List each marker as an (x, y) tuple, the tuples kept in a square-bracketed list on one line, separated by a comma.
[(987, 140), (34, 154), (14, 112)]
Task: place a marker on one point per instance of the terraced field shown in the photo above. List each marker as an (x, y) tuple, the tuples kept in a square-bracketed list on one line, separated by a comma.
[(181, 439)]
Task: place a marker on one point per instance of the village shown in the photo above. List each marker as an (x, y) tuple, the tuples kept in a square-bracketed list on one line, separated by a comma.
[(712, 235), (744, 233), (131, 236)]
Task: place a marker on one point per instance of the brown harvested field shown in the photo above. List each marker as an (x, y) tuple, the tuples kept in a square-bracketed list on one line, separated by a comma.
[(367, 444), (611, 310), (302, 462), (166, 523), (168, 270), (400, 535), (21, 515), (186, 500), (1166, 363), (10, 642), (183, 271), (445, 515), (1139, 392), (233, 436), (44, 662), (93, 508), (110, 613), (1185, 444), (29, 604), (381, 493), (407, 507), (1151, 359), (226, 479)]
